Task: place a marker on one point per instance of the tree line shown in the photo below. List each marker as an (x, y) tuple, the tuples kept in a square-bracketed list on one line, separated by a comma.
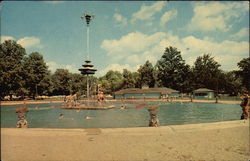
[(28, 75)]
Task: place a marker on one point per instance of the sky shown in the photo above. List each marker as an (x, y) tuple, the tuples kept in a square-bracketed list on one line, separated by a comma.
[(125, 34)]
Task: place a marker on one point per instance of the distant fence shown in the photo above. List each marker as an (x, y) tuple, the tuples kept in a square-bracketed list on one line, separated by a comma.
[(62, 97), (222, 98)]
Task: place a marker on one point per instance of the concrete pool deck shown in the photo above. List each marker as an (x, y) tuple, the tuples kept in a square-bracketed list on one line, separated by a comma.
[(206, 141)]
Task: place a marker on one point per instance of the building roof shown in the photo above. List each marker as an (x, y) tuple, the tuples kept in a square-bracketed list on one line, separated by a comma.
[(203, 90), (148, 90)]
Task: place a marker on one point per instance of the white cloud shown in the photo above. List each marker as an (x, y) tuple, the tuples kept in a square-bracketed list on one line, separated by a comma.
[(4, 38), (71, 68), (229, 62), (226, 47), (147, 12), (226, 52), (26, 42), (121, 21), (216, 15), (168, 16), (136, 48), (30, 42), (244, 32), (53, 66), (131, 44)]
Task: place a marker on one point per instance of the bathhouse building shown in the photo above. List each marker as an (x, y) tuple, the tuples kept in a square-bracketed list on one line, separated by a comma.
[(131, 93), (203, 93)]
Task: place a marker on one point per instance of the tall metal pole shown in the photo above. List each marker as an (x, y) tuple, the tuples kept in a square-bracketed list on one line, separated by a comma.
[(88, 68), (87, 42), (88, 87), (87, 59), (88, 19)]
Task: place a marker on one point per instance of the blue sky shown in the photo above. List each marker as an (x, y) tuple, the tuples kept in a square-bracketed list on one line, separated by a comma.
[(126, 34)]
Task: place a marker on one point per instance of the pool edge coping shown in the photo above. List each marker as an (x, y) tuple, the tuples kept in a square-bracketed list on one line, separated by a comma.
[(131, 131)]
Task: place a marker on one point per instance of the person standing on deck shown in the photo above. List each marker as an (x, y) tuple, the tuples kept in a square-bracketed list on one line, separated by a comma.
[(245, 104)]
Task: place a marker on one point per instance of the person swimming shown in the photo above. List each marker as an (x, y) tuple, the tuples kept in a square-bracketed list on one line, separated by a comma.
[(87, 118), (61, 116), (123, 107)]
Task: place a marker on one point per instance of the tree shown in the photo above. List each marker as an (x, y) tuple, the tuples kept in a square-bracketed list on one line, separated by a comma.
[(93, 85), (172, 70), (78, 84), (104, 86), (45, 87), (111, 81), (206, 72), (61, 82), (11, 69), (244, 72), (184, 80), (36, 74), (229, 83), (136, 78), (158, 82), (146, 75), (129, 79)]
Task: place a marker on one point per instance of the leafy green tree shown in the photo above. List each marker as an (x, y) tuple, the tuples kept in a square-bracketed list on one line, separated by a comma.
[(244, 72), (172, 70), (78, 84), (36, 74), (45, 87), (229, 83), (146, 75), (136, 78), (11, 69), (206, 72), (184, 80), (115, 79), (93, 82), (104, 86), (129, 79), (61, 81), (111, 81), (158, 82)]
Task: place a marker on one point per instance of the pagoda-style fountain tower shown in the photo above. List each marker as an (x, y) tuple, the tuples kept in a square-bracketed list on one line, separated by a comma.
[(88, 68)]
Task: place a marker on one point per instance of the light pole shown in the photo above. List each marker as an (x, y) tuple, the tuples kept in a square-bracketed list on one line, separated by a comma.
[(88, 68)]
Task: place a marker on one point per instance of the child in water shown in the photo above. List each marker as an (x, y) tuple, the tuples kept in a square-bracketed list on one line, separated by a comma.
[(61, 116)]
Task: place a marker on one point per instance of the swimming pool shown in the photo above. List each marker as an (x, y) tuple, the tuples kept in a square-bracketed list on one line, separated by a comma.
[(169, 114)]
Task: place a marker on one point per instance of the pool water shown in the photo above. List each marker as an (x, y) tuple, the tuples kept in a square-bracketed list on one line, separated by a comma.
[(169, 114)]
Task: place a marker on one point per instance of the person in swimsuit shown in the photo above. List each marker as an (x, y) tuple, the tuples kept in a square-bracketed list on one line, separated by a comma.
[(245, 105)]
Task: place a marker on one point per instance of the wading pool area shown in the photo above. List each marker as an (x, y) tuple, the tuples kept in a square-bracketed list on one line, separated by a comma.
[(174, 113)]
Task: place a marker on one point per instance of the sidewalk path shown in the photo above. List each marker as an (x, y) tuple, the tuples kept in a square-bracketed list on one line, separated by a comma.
[(207, 141)]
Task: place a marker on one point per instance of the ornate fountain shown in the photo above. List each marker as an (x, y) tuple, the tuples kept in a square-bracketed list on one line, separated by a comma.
[(22, 114), (153, 111)]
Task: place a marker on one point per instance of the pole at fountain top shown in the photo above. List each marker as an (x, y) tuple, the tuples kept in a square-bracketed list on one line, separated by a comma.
[(87, 18)]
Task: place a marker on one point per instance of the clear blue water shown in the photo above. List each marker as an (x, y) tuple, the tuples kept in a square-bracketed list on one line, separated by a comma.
[(169, 114)]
